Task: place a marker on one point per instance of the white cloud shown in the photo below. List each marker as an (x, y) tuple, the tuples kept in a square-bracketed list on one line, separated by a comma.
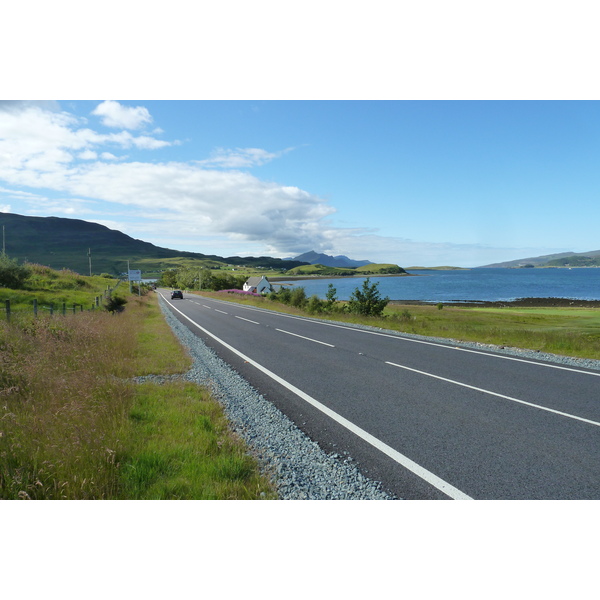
[(5, 208), (190, 205), (36, 145), (240, 157), (19, 194), (54, 151), (88, 155), (117, 115), (231, 203)]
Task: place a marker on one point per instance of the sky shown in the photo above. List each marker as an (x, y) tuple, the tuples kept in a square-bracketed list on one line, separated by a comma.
[(421, 134), (462, 183)]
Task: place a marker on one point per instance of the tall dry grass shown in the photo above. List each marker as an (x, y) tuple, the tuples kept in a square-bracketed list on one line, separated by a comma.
[(62, 403), (74, 425)]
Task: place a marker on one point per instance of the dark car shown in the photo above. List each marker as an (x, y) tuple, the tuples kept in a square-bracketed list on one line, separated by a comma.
[(176, 294)]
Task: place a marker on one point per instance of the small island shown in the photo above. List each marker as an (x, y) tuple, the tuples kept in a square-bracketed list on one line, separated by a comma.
[(319, 270)]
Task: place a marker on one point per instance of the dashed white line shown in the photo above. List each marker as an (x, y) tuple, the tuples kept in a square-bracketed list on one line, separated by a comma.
[(305, 338), (221, 311), (472, 387), (448, 346), (249, 320)]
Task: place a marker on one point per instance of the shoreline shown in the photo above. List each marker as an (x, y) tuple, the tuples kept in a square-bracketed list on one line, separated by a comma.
[(293, 278), (517, 303)]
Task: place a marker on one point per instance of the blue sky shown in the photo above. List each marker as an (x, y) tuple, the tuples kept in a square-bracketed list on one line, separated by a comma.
[(435, 133), (462, 183)]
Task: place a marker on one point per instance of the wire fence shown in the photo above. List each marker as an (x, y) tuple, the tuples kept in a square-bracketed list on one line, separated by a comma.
[(8, 310)]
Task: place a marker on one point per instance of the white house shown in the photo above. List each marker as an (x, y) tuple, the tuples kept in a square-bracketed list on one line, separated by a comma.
[(259, 285)]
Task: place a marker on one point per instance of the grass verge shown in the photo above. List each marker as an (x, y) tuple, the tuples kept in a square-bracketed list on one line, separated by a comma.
[(73, 425), (181, 448), (567, 331)]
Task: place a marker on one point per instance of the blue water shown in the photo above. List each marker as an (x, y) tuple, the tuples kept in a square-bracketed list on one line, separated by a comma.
[(472, 285)]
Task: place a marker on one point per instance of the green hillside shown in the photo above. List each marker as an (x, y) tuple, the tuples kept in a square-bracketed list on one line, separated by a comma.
[(370, 269), (576, 260), (380, 269), (64, 243), (564, 259)]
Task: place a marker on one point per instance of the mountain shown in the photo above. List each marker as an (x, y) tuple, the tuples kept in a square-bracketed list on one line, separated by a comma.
[(339, 261), (563, 259), (64, 243)]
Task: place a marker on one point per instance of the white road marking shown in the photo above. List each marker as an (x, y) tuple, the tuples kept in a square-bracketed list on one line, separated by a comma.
[(447, 346), (557, 412), (249, 321), (205, 306), (305, 338), (221, 311), (406, 462)]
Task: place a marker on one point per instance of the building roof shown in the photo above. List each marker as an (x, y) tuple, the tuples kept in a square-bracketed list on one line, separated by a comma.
[(256, 280)]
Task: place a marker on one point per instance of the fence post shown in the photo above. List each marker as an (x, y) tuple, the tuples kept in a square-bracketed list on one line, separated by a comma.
[(7, 304), (51, 308), (64, 308), (73, 308), (35, 307)]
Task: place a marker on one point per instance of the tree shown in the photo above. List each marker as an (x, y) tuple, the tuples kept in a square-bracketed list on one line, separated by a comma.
[(168, 278), (330, 297), (186, 278), (367, 301), (12, 274), (205, 279)]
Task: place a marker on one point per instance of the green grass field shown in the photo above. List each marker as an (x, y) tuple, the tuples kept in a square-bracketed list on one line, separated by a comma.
[(50, 287), (566, 331)]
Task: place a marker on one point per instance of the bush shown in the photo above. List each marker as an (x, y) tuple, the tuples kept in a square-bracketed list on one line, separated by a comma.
[(284, 295), (367, 301), (315, 304), (115, 304), (298, 297), (12, 274)]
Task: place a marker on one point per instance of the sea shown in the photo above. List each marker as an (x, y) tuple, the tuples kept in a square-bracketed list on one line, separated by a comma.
[(472, 285)]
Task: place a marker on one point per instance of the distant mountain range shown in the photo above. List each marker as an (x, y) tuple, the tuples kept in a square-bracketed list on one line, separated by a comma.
[(564, 259), (326, 260), (64, 243)]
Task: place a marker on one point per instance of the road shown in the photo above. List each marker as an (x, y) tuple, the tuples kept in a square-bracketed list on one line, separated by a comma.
[(429, 420)]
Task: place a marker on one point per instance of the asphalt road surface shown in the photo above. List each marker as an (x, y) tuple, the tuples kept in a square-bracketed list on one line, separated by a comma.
[(428, 420)]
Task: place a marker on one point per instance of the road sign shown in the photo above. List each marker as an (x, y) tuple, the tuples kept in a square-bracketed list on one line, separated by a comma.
[(135, 275)]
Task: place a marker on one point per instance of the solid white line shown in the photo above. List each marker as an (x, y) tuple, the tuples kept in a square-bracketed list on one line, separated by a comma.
[(406, 462), (557, 412), (305, 338), (249, 321)]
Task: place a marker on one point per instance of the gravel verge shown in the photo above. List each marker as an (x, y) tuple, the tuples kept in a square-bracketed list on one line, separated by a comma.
[(298, 467)]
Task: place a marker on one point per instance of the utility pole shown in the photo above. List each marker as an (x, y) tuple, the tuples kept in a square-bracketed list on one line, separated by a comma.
[(129, 276), (90, 259), (3, 241)]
